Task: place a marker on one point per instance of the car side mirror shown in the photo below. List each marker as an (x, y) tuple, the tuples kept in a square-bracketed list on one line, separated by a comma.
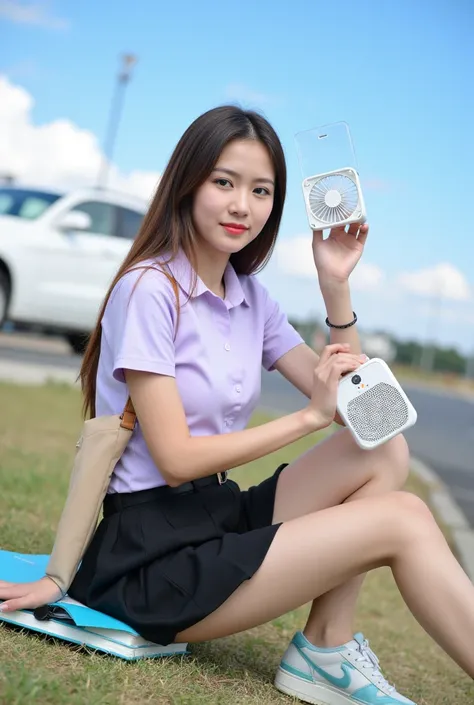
[(75, 220)]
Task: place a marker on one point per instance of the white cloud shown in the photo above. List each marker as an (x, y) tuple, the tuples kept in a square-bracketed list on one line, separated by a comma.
[(295, 257), (58, 153), (33, 13), (444, 280), (367, 277)]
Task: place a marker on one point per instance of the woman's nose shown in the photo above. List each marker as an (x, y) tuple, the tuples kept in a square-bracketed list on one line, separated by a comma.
[(240, 203)]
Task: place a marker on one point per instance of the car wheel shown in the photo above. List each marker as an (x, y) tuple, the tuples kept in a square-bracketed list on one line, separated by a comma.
[(4, 297), (78, 342)]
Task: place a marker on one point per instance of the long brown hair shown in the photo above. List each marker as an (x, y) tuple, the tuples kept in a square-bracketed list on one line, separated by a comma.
[(168, 226)]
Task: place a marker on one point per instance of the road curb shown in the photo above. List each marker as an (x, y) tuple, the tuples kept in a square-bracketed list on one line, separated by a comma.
[(449, 512)]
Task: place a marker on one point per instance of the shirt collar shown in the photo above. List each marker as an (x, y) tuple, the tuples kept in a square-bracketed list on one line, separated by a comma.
[(182, 271)]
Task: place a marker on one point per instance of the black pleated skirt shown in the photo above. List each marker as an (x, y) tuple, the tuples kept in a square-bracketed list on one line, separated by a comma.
[(166, 562)]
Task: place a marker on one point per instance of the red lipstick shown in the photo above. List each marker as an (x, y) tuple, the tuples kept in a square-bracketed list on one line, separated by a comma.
[(234, 228)]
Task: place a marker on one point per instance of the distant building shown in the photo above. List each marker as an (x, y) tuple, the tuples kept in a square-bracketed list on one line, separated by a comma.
[(378, 345), (372, 344)]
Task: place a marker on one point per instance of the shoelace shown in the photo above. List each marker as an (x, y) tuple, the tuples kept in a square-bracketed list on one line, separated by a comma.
[(369, 660)]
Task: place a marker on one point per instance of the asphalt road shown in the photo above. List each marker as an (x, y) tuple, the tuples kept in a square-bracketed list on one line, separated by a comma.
[(443, 436)]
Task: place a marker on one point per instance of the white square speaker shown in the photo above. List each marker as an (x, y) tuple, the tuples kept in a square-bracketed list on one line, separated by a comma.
[(373, 405)]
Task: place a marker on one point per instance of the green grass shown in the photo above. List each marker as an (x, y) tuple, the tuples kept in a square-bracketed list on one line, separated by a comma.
[(38, 431), (447, 381)]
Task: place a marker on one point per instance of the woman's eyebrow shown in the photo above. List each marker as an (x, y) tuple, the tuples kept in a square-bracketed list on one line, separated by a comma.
[(233, 173)]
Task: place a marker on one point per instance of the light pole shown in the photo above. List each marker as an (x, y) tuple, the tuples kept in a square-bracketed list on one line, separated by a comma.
[(123, 77)]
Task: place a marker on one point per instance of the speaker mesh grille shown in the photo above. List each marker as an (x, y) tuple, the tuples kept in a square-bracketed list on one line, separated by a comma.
[(378, 412)]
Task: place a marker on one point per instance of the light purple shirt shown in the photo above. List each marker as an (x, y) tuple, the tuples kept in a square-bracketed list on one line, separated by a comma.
[(216, 356)]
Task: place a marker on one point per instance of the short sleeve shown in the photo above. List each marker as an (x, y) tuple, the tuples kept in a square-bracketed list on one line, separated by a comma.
[(139, 324), (279, 336)]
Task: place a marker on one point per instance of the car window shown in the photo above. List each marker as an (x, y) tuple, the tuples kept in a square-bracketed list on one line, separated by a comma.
[(129, 222), (102, 215), (25, 203)]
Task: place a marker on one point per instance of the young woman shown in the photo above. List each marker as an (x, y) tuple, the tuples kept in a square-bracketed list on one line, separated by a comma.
[(182, 554)]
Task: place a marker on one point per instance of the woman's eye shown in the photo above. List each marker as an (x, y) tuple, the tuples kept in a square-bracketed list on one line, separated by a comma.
[(222, 182), (264, 191)]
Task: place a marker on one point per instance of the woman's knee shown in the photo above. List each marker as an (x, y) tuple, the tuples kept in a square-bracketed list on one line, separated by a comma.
[(389, 462), (410, 516), (392, 462)]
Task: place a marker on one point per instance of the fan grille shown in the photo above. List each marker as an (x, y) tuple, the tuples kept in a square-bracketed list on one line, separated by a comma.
[(378, 412), (333, 198)]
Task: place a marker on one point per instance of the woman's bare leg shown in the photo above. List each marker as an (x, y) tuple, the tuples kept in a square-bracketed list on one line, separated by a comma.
[(333, 472), (396, 530)]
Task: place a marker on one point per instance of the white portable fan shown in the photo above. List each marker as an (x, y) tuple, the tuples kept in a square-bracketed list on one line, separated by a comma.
[(334, 199)]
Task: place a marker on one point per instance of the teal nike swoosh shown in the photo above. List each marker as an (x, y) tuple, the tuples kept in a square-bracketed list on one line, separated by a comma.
[(342, 682), (370, 695)]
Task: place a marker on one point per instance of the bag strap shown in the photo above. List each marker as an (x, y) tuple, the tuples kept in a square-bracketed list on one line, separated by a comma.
[(128, 416)]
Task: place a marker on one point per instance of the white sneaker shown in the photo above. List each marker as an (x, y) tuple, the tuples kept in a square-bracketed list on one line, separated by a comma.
[(345, 675)]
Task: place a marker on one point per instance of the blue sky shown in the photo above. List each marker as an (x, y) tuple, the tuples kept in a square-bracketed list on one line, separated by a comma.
[(399, 72)]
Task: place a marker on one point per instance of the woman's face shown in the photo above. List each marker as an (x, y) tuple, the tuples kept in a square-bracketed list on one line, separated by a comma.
[(231, 207)]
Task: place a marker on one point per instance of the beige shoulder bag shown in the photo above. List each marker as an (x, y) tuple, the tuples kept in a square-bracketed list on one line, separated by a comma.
[(100, 446)]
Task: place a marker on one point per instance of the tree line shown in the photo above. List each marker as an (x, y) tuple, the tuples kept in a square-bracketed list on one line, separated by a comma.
[(407, 352)]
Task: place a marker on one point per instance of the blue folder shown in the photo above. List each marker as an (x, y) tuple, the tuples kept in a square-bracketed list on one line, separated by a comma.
[(91, 628)]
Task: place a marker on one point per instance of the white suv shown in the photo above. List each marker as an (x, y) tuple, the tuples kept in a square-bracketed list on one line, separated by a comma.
[(59, 253)]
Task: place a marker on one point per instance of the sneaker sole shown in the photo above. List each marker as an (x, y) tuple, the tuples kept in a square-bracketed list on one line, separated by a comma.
[(314, 693)]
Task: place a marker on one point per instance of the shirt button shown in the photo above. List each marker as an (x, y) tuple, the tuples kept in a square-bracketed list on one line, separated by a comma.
[(227, 346), (238, 389)]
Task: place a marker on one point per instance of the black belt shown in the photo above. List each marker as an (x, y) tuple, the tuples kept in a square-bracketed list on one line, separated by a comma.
[(120, 500)]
